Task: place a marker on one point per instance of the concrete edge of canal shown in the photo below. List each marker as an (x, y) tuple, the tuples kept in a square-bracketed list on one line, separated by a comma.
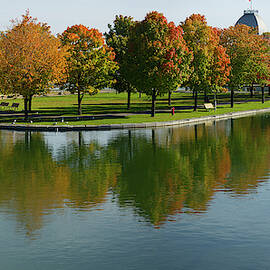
[(183, 122)]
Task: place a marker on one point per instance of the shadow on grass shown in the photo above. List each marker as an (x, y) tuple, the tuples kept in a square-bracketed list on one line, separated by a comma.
[(114, 110), (94, 109), (141, 107), (38, 118)]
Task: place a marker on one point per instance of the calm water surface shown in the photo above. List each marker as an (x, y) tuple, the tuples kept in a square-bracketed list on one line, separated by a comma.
[(179, 198)]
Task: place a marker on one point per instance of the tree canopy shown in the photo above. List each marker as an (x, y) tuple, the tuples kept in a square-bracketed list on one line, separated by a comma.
[(90, 61), (210, 62), (249, 54), (158, 58), (31, 60), (117, 38)]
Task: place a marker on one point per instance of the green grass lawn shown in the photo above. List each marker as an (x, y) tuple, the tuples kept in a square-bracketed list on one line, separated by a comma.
[(111, 108)]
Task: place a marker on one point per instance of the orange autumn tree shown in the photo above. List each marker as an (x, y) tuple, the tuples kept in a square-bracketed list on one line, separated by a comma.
[(210, 65), (197, 35), (219, 70), (91, 62), (31, 59), (249, 54)]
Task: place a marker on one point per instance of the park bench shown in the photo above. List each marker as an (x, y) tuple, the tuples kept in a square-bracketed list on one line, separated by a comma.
[(208, 106), (4, 105), (14, 106)]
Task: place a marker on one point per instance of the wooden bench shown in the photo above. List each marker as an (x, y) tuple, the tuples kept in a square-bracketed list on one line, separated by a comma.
[(14, 106), (208, 106), (4, 105)]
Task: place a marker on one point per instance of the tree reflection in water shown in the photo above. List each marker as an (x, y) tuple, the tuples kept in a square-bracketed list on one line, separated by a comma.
[(158, 174)]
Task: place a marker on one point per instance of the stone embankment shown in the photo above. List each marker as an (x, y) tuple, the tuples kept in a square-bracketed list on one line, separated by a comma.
[(183, 122)]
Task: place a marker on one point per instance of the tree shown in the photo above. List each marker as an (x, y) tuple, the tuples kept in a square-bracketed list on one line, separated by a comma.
[(235, 40), (117, 38), (200, 39), (220, 68), (31, 60), (158, 58), (90, 62), (249, 54), (259, 66)]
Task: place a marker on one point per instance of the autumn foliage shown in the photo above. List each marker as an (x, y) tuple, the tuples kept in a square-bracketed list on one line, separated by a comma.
[(249, 54), (31, 60), (220, 63), (90, 61), (153, 56), (158, 58), (210, 65)]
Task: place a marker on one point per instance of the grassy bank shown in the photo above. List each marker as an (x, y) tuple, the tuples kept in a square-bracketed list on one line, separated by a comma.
[(111, 108)]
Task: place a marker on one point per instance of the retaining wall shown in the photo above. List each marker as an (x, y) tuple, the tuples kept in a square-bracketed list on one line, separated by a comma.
[(183, 122)]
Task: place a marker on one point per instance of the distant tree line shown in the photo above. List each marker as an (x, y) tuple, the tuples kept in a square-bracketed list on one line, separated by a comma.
[(152, 56)]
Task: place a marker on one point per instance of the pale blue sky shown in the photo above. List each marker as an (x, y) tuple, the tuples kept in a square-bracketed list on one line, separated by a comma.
[(94, 13)]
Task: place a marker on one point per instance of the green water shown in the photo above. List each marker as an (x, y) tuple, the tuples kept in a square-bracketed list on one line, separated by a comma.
[(194, 197)]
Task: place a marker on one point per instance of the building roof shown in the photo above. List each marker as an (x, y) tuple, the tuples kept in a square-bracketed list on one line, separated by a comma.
[(251, 18)]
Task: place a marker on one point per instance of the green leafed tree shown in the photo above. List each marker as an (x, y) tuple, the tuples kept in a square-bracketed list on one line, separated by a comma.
[(91, 62), (117, 38), (158, 58), (199, 38), (259, 72), (249, 54)]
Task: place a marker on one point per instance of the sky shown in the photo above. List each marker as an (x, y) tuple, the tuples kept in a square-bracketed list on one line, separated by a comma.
[(60, 14)]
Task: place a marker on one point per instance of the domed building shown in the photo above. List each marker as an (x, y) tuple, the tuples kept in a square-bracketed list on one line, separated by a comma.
[(251, 18)]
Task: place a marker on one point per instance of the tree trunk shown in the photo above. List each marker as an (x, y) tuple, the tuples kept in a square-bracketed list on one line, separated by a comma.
[(205, 97), (80, 97), (30, 103), (263, 94), (252, 91), (25, 108), (140, 94), (268, 90), (232, 98), (153, 103), (170, 98), (195, 100), (215, 96), (128, 101)]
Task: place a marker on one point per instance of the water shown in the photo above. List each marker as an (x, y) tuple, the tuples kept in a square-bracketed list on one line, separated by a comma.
[(178, 198)]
